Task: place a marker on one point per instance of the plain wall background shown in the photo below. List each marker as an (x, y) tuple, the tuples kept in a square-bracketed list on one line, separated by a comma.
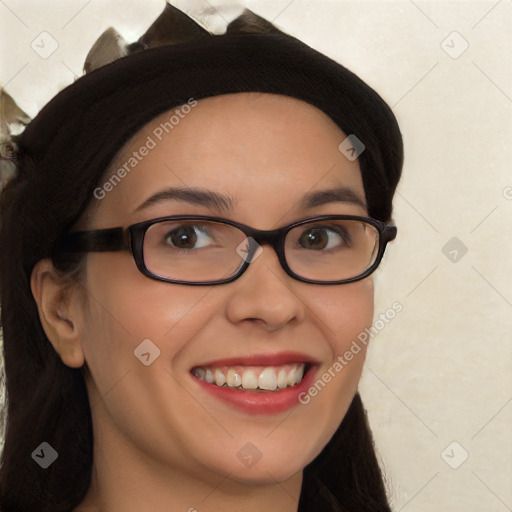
[(440, 371)]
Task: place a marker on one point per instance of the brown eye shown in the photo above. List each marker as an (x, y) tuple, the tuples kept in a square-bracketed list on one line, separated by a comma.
[(183, 237), (319, 238), (314, 239), (188, 236)]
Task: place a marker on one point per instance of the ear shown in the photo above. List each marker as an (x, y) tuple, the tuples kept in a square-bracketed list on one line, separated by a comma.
[(57, 302)]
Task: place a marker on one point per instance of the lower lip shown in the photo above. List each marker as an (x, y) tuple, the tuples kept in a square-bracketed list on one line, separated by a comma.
[(260, 402)]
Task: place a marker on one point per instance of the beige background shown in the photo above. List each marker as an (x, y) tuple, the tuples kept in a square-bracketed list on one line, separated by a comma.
[(440, 372)]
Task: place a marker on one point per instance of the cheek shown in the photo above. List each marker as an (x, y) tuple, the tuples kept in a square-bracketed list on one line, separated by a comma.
[(140, 306), (127, 308), (345, 312)]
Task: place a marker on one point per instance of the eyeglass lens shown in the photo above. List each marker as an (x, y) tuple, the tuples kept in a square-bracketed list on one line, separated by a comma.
[(199, 250)]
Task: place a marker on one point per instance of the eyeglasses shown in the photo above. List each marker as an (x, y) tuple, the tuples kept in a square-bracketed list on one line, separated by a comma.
[(203, 250)]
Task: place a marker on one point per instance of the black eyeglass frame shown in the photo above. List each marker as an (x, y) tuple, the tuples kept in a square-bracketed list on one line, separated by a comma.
[(132, 238)]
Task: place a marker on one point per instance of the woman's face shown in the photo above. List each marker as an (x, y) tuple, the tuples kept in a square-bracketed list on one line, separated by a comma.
[(265, 155)]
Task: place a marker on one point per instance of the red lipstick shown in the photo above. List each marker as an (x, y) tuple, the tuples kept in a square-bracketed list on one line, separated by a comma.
[(259, 401)]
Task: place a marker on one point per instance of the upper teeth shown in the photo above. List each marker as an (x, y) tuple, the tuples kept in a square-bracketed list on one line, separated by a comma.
[(267, 378)]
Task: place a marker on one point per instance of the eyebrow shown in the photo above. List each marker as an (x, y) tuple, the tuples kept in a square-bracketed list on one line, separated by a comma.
[(336, 195), (192, 195), (221, 202)]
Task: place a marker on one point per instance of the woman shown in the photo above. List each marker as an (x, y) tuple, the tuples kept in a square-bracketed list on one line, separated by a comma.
[(187, 251)]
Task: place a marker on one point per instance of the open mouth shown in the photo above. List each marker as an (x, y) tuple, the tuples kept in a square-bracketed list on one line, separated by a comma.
[(253, 378)]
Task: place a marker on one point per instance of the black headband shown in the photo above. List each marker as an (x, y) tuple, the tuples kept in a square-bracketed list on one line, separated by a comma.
[(87, 123)]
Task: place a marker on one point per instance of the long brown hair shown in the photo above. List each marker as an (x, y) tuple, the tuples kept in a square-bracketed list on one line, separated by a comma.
[(61, 157)]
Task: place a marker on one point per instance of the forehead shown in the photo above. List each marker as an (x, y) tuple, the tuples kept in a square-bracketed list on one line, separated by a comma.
[(254, 147), (219, 115)]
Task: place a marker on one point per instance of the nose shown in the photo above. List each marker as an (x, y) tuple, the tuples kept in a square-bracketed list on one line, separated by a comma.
[(265, 295)]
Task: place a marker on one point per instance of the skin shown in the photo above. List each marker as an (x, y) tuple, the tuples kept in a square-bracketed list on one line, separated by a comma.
[(160, 442)]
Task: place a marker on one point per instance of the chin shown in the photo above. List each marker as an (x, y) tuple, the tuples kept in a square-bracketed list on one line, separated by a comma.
[(273, 466), (268, 474)]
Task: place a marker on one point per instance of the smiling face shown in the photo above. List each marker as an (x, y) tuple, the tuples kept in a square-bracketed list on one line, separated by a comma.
[(257, 160)]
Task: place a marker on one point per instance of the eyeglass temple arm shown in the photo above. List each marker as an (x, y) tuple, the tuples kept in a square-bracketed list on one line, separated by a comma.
[(92, 241)]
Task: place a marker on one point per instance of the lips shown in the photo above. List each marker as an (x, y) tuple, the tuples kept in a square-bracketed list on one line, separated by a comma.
[(258, 384)]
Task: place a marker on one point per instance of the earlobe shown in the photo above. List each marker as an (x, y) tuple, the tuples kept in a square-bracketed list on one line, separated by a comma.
[(58, 311)]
